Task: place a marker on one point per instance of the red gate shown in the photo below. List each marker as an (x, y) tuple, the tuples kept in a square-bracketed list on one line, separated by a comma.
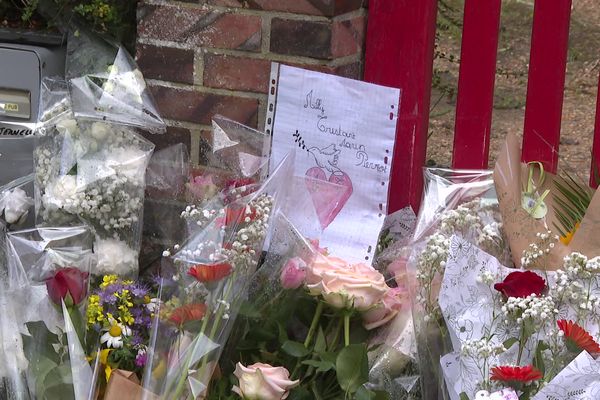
[(400, 42)]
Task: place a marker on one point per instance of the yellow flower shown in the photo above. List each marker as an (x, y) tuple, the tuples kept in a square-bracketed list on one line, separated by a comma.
[(95, 310), (108, 280), (569, 235)]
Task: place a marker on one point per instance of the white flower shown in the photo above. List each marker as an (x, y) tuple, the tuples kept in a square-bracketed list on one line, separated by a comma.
[(67, 126), (115, 257), (113, 337), (15, 204), (129, 162), (100, 130), (152, 304), (60, 192)]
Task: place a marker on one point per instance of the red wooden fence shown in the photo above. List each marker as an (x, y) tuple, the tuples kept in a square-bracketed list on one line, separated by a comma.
[(400, 39)]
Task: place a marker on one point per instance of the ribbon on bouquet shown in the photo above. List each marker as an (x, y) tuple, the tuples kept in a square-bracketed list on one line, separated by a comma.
[(530, 200)]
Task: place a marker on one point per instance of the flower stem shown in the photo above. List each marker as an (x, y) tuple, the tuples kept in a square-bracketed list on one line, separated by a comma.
[(346, 329), (336, 336), (521, 344), (313, 324)]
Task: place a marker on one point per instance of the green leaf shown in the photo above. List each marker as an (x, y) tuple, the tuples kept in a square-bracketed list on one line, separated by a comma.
[(320, 343), (328, 356), (352, 367), (321, 366), (463, 396), (508, 343), (300, 393), (283, 337), (365, 394), (38, 328), (295, 349), (538, 360)]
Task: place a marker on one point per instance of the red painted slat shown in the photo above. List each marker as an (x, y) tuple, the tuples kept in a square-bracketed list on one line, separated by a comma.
[(545, 89), (595, 167), (399, 53), (476, 84)]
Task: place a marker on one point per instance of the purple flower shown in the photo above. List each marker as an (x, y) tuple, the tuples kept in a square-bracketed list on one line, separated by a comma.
[(141, 358)]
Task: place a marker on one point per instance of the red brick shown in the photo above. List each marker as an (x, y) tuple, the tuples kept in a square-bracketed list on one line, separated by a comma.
[(301, 38), (236, 73), (166, 63), (327, 8), (198, 107), (173, 136), (348, 36), (200, 27)]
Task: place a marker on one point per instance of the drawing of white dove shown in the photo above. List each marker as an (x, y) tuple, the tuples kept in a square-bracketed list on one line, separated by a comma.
[(327, 157)]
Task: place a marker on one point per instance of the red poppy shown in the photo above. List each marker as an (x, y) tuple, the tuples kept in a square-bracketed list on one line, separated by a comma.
[(209, 273), (188, 313), (577, 338), (521, 284), (237, 214), (514, 376)]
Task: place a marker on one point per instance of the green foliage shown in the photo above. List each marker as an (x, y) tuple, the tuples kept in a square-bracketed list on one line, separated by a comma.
[(572, 201), (113, 17)]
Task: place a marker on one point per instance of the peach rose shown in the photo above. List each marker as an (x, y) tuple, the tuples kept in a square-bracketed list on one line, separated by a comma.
[(344, 285), (385, 311), (263, 382)]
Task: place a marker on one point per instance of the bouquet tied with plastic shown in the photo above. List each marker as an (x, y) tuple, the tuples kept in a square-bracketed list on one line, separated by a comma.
[(43, 312), (205, 279), (455, 202)]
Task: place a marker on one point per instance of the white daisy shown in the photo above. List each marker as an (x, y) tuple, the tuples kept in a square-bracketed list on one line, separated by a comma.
[(115, 334), (152, 304)]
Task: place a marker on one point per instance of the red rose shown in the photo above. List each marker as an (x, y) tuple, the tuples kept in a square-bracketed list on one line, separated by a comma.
[(516, 376), (188, 313), (209, 273), (68, 284), (521, 284), (236, 214)]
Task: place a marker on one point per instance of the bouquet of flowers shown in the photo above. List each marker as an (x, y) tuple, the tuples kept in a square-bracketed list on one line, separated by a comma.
[(455, 203), (43, 331), (205, 281), (315, 326), (119, 318), (93, 172)]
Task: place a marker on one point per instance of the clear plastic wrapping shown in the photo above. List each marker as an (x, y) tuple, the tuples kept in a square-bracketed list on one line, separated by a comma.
[(460, 203), (94, 172), (45, 299), (206, 281), (106, 84)]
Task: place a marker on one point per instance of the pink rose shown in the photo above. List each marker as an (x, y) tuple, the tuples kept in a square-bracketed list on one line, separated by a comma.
[(344, 285), (263, 382), (385, 311), (202, 187), (293, 273)]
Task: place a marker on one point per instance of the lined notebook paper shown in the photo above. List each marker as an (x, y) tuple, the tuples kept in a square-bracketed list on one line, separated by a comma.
[(343, 132)]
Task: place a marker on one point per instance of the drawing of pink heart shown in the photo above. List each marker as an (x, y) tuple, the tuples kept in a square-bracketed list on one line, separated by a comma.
[(328, 200)]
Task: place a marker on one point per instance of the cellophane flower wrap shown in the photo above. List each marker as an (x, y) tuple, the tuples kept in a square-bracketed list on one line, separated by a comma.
[(43, 302), (236, 156), (455, 203), (16, 203), (323, 320), (94, 172), (204, 282)]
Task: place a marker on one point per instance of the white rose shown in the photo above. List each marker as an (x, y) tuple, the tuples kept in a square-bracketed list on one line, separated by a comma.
[(67, 126), (263, 382), (59, 191), (129, 162), (115, 257), (16, 205), (100, 130)]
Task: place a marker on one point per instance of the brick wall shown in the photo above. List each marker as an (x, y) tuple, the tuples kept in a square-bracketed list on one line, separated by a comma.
[(206, 57)]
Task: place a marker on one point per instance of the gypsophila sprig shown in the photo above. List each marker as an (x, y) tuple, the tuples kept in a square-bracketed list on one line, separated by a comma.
[(537, 309), (535, 255)]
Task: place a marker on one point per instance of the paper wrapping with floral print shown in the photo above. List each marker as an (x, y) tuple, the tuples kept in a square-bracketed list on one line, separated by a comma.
[(526, 215), (125, 385), (499, 317)]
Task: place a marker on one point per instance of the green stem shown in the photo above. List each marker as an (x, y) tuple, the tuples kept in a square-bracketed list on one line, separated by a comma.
[(336, 336), (313, 324), (521, 344), (346, 329)]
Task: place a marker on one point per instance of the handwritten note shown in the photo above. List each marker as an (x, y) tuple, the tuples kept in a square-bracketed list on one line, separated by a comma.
[(343, 132)]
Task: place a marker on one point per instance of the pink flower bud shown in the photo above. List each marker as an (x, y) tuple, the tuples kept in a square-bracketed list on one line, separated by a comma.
[(293, 273)]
